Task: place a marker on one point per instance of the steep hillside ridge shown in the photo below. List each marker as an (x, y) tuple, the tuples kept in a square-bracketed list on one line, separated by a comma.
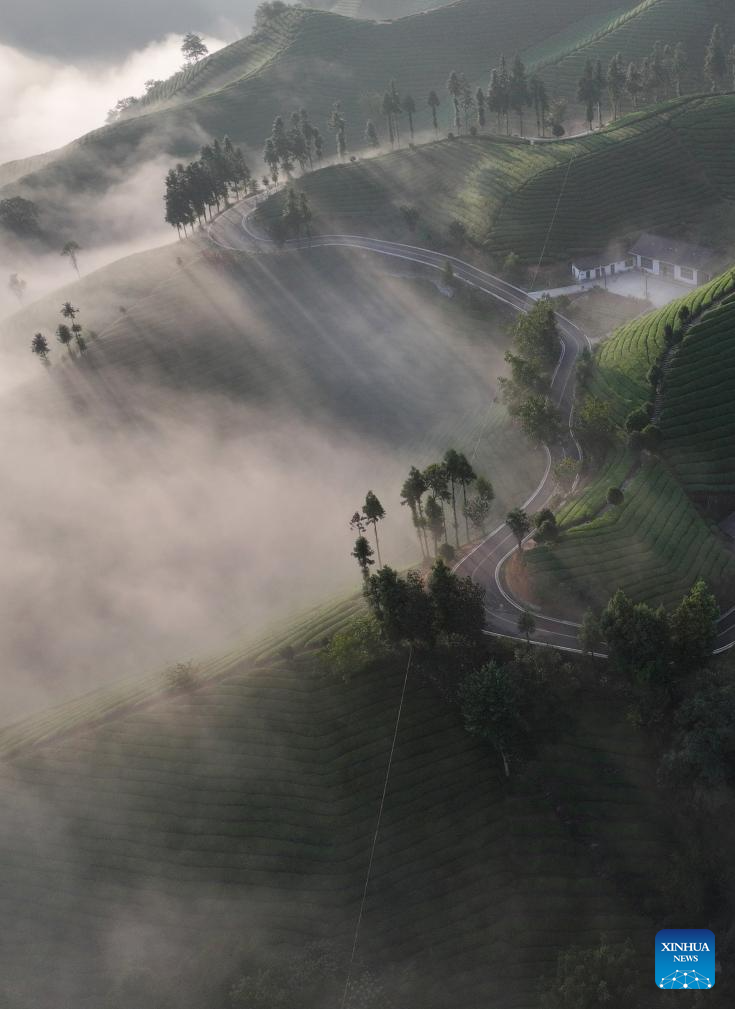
[(245, 811), (657, 543), (634, 33), (241, 89), (670, 169), (697, 408)]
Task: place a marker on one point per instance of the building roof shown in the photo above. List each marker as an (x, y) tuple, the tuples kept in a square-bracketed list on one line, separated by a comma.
[(590, 261), (670, 251)]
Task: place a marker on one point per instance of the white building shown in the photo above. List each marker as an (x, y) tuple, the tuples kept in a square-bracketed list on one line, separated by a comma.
[(606, 264), (689, 264), (664, 257)]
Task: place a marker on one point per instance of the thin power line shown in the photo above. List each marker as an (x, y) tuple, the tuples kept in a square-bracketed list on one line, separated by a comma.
[(553, 221), (377, 832)]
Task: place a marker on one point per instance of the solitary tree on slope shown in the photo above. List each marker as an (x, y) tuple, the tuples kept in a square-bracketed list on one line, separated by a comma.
[(193, 48), (39, 346), (434, 102), (70, 251), (526, 625), (374, 513), (363, 554), (519, 524)]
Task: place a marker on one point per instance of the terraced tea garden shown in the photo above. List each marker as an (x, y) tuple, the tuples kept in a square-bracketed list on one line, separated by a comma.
[(653, 546), (243, 812), (658, 171), (697, 416)]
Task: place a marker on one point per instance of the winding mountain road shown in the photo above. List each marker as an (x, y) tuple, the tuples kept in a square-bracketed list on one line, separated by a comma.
[(233, 230)]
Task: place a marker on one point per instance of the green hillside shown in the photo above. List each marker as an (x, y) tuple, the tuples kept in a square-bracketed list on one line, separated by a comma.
[(657, 542), (240, 89), (697, 415), (624, 360), (249, 327), (654, 546), (633, 32), (199, 830), (670, 171), (296, 382), (380, 10)]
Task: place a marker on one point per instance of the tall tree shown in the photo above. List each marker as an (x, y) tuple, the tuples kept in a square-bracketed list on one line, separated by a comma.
[(70, 251), (338, 124), (363, 554), (271, 158), (414, 489), (458, 604), (518, 89), (481, 103), (491, 709), (634, 84), (409, 107), (587, 92), (465, 476), (65, 336), (477, 510), (69, 311), (526, 625), (397, 110), (454, 87), (467, 102), (540, 102), (658, 71), (318, 144), (498, 99), (39, 346), (519, 524), (680, 67), (371, 134), (715, 60), (193, 48), (615, 83), (374, 513), (388, 113), (435, 521), (453, 468), (437, 482), (434, 102), (590, 633), (694, 628), (638, 638), (411, 493)]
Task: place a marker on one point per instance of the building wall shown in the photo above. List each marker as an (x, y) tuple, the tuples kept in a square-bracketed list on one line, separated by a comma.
[(609, 270), (684, 274)]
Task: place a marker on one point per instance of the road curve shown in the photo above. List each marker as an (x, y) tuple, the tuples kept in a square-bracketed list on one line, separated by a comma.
[(233, 230)]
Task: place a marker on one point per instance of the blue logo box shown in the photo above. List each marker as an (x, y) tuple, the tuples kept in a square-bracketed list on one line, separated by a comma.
[(685, 958)]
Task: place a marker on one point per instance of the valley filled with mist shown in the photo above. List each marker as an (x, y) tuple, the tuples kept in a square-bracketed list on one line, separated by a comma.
[(368, 503)]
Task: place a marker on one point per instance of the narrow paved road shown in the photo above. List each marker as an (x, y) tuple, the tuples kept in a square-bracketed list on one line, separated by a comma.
[(234, 230)]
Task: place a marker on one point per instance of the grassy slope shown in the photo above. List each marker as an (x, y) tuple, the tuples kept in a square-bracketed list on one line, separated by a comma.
[(697, 417), (240, 89), (250, 327), (634, 32), (654, 546), (657, 543), (252, 802), (659, 171)]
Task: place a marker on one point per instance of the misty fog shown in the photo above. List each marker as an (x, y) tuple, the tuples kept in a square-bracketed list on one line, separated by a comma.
[(194, 476), (47, 102), (83, 31)]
